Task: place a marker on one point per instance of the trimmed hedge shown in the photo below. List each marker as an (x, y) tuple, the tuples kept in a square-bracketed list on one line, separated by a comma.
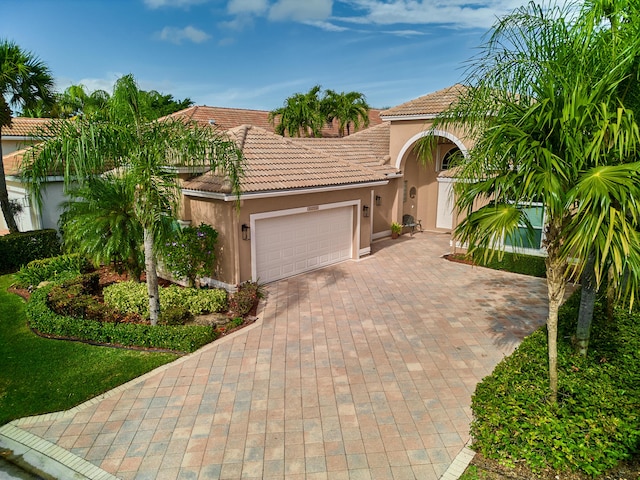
[(132, 297), (596, 422), (517, 263), (18, 249), (186, 338)]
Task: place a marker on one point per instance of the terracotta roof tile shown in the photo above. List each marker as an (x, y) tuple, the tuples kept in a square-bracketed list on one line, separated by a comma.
[(228, 118), (25, 127), (431, 104), (368, 148), (277, 163)]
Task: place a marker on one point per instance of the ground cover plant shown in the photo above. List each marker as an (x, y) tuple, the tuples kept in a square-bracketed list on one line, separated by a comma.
[(510, 262), (596, 422), (40, 375)]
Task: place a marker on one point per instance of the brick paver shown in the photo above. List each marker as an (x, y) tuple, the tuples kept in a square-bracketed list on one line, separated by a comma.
[(360, 370)]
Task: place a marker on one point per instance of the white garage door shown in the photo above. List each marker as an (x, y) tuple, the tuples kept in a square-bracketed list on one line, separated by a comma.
[(292, 244)]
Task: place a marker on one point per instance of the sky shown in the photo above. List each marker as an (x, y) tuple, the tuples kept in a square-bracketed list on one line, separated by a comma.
[(255, 53)]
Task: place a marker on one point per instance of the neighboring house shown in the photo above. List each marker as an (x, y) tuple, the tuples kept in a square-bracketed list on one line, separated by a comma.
[(312, 202), (15, 139)]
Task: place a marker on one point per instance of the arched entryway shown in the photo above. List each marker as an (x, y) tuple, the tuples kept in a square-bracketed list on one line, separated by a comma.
[(427, 183)]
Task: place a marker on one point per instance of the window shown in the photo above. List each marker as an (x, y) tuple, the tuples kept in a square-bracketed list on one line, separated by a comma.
[(448, 158), (535, 214)]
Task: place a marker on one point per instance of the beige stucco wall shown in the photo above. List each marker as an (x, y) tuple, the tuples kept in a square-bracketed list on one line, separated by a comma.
[(420, 173), (234, 259)]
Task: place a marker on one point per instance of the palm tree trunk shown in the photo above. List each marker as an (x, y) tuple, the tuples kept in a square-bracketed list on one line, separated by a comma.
[(555, 289), (152, 277), (4, 196), (587, 302)]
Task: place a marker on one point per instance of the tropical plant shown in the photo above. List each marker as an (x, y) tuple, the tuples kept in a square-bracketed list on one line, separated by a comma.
[(549, 126), (147, 151), (100, 221), (191, 253), (24, 79), (348, 108), (301, 115)]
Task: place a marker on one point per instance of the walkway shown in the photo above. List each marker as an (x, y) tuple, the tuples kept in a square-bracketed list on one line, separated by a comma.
[(360, 370)]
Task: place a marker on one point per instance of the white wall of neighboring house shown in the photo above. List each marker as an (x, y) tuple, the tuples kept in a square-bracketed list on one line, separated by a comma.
[(31, 218)]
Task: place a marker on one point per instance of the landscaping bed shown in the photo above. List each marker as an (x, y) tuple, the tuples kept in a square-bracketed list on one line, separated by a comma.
[(103, 307)]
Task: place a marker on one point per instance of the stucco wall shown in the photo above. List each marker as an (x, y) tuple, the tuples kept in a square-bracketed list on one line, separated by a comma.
[(234, 261)]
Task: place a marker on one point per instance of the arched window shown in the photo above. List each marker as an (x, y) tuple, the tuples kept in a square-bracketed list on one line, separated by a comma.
[(449, 157)]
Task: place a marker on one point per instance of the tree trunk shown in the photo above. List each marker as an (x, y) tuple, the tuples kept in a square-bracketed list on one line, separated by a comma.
[(555, 288), (152, 277), (4, 195), (587, 303)]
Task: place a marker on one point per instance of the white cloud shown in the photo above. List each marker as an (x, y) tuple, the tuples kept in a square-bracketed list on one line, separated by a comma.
[(328, 26), (244, 7), (481, 14), (178, 35), (90, 84), (307, 10), (172, 3)]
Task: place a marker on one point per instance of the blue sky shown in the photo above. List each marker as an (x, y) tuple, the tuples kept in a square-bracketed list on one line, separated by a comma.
[(255, 53)]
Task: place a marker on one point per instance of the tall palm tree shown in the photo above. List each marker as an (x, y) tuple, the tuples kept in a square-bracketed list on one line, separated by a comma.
[(349, 108), (24, 80), (549, 126), (142, 149), (301, 115)]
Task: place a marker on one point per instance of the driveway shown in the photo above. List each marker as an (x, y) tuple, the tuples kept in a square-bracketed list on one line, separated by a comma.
[(360, 370)]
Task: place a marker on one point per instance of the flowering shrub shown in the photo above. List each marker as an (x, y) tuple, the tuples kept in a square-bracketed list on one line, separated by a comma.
[(192, 253)]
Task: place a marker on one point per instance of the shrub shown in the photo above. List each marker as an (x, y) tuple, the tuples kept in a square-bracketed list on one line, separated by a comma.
[(187, 338), (192, 253), (17, 249), (245, 298), (48, 269), (176, 315), (517, 263), (132, 297), (596, 422)]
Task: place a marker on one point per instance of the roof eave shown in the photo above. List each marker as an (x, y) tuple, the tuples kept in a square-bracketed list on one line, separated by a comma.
[(229, 197), (421, 116)]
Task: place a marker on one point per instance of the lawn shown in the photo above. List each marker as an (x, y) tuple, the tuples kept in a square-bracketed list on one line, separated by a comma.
[(40, 375)]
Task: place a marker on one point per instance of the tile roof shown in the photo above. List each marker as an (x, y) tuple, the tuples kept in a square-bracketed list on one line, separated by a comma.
[(431, 104), (275, 163), (368, 148), (228, 118), (25, 127)]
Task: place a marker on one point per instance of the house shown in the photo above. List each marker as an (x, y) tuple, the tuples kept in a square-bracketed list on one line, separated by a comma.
[(21, 134), (311, 202)]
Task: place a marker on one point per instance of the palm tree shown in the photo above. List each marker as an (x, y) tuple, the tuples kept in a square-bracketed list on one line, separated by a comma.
[(24, 80), (348, 108), (549, 127), (300, 116), (100, 221), (129, 144)]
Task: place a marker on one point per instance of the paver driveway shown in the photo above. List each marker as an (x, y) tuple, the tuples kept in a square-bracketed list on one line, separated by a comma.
[(360, 370)]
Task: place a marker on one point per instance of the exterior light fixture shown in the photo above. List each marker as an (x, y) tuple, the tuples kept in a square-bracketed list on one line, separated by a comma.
[(378, 200), (246, 232), (365, 210)]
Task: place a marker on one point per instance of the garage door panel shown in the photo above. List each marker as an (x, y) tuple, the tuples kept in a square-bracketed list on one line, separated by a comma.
[(292, 244)]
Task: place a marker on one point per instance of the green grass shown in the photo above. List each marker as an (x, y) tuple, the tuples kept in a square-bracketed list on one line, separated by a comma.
[(40, 375)]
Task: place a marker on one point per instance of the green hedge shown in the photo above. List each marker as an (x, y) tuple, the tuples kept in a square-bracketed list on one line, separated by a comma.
[(18, 249), (176, 338), (596, 422), (133, 297), (518, 263)]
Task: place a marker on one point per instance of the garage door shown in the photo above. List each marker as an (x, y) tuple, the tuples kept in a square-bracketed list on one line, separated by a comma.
[(292, 244)]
